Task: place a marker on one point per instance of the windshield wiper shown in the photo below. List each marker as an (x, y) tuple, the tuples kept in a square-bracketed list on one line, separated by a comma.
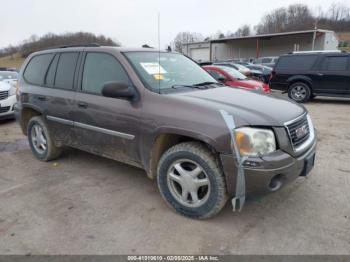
[(189, 86), (203, 85), (209, 83)]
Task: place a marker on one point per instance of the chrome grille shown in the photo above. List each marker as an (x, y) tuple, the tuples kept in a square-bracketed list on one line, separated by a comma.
[(4, 109), (4, 95), (299, 131)]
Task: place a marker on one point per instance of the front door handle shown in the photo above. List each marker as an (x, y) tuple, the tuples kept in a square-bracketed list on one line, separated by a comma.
[(320, 74), (82, 105)]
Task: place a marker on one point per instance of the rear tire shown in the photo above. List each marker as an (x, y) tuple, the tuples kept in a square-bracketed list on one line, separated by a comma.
[(299, 92), (40, 140), (190, 180)]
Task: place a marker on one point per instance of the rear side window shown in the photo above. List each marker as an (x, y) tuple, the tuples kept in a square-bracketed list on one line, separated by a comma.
[(100, 68), (299, 62), (36, 69), (65, 70), (50, 76), (335, 63)]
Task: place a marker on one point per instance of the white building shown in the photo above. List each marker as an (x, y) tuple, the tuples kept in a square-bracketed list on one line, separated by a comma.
[(261, 45)]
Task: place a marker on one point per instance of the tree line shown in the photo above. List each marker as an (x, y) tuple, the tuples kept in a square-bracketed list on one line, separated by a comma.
[(35, 43), (295, 17)]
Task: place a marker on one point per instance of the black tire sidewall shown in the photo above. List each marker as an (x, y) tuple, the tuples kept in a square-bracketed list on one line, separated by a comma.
[(163, 185), (307, 88), (44, 155)]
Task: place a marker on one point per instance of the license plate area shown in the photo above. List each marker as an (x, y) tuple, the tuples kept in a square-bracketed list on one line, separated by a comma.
[(308, 165)]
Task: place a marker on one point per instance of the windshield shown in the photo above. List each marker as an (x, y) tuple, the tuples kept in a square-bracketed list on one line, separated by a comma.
[(160, 71), (233, 72), (7, 75)]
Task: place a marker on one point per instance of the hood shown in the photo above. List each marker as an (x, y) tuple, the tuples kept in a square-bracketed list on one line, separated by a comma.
[(247, 107), (4, 86)]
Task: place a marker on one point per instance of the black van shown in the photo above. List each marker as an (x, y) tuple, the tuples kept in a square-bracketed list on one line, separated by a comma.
[(305, 75)]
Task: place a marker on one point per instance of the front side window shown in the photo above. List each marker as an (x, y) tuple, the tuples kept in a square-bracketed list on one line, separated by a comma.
[(36, 69), (335, 63), (99, 69), (299, 62), (65, 70), (161, 71)]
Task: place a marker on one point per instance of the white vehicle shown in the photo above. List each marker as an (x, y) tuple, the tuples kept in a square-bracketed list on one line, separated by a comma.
[(7, 99)]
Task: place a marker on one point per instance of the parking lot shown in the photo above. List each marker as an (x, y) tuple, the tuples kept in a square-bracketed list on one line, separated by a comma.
[(84, 204)]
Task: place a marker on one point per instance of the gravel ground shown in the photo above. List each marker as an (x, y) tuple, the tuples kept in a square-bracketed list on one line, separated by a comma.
[(84, 204)]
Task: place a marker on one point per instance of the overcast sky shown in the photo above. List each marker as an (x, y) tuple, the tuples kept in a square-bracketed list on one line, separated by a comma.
[(133, 22)]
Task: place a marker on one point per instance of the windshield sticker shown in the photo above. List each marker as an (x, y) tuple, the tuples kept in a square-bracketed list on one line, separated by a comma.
[(158, 77), (153, 68)]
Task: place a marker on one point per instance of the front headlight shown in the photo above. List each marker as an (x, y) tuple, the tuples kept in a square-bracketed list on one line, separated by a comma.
[(255, 141), (12, 90)]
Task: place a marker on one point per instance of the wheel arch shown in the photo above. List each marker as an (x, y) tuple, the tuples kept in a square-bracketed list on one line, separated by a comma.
[(27, 113), (164, 141), (303, 79)]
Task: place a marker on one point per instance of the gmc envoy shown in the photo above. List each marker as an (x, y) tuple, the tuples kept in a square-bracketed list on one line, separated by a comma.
[(160, 111)]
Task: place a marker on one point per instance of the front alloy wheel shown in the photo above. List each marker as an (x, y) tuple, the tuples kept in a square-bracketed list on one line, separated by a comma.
[(188, 183), (191, 180)]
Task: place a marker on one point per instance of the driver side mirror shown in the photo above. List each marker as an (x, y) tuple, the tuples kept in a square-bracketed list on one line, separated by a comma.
[(118, 90)]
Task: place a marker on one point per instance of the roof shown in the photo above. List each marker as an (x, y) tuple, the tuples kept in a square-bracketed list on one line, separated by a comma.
[(98, 48), (263, 36)]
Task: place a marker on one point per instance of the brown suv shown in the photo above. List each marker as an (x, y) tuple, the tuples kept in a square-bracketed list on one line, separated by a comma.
[(160, 111)]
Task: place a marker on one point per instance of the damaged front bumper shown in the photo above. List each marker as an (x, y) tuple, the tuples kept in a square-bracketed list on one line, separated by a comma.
[(268, 173)]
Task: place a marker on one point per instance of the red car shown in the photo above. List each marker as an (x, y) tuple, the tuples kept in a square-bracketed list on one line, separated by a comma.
[(232, 77)]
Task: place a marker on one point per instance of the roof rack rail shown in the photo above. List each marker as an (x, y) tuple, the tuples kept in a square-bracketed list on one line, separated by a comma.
[(75, 45), (318, 51), (80, 45)]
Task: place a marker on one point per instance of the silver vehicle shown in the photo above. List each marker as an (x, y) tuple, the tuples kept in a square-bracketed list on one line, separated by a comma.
[(266, 61)]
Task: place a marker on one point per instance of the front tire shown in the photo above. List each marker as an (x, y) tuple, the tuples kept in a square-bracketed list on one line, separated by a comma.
[(40, 140), (299, 92), (191, 181)]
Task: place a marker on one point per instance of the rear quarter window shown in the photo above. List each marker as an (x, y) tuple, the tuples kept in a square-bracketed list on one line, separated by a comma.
[(300, 62), (36, 69)]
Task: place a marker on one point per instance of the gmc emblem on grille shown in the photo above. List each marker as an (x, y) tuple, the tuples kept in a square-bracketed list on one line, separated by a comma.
[(301, 131)]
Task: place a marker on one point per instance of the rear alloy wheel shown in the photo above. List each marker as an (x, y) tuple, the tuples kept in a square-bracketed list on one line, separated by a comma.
[(299, 92), (191, 180), (40, 140)]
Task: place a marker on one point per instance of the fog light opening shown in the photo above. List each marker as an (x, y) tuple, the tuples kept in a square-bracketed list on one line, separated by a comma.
[(275, 183)]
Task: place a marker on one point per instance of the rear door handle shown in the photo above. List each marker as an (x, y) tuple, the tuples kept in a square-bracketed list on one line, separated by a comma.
[(82, 105), (320, 74)]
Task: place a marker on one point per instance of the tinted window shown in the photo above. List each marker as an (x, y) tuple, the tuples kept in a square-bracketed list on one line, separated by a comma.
[(36, 69), (335, 63), (50, 76), (300, 62), (100, 68), (65, 70)]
